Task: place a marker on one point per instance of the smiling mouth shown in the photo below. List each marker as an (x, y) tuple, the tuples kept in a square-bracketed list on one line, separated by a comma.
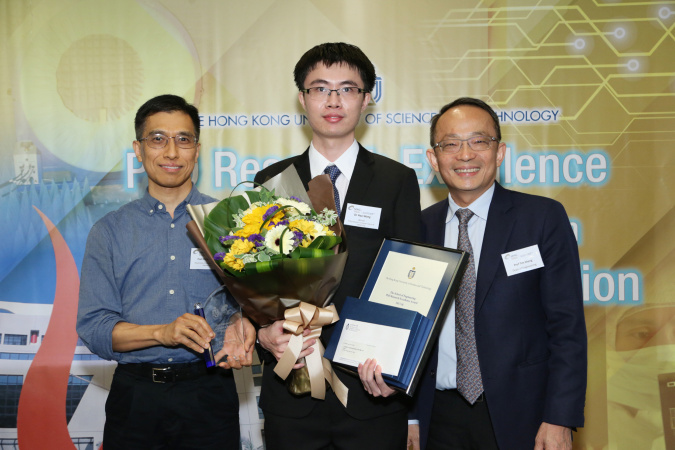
[(170, 167), (473, 170)]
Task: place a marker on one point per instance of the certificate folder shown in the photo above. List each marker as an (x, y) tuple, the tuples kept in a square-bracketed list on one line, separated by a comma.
[(400, 311)]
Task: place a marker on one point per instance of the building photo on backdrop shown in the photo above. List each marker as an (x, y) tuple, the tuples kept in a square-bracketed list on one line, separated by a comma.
[(585, 96)]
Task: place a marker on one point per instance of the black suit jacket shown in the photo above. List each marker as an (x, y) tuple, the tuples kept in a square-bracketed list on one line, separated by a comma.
[(530, 327), (379, 182)]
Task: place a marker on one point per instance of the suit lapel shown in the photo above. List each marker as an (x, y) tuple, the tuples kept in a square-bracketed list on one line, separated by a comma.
[(302, 166), (360, 181), (435, 226), (497, 232)]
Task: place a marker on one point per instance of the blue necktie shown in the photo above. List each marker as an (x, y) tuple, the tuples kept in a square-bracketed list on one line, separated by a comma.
[(333, 172), (469, 381)]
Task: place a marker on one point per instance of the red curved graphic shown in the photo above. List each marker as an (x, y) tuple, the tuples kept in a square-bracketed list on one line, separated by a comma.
[(41, 420)]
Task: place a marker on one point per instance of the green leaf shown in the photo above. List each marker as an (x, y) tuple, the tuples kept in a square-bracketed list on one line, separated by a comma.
[(260, 267), (325, 242), (220, 220), (304, 252), (215, 246), (266, 196)]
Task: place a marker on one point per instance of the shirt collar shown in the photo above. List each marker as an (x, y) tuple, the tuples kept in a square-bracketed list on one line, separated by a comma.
[(346, 161), (151, 205), (479, 207)]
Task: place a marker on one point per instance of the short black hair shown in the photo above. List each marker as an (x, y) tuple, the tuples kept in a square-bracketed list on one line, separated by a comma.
[(335, 53), (165, 103), (460, 102)]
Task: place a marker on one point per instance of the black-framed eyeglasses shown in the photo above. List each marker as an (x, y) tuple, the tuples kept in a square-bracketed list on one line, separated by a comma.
[(475, 143), (321, 92), (159, 140)]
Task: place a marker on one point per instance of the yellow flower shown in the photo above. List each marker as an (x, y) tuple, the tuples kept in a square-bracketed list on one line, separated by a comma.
[(248, 230), (307, 227), (255, 216), (241, 247), (233, 262), (255, 219), (328, 231), (310, 230)]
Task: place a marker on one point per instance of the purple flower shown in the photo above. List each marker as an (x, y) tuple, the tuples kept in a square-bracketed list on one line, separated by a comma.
[(257, 239), (298, 237), (293, 197), (270, 212), (224, 239), (281, 222), (219, 256)]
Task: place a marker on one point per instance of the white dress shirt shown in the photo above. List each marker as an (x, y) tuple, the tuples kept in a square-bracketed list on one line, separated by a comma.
[(346, 163), (446, 374)]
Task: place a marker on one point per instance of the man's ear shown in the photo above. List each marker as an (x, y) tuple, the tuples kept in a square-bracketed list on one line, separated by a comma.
[(301, 99), (501, 153), (137, 150), (366, 100), (431, 156)]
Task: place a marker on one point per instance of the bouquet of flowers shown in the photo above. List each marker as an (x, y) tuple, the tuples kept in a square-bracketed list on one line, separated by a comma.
[(280, 259), (265, 229)]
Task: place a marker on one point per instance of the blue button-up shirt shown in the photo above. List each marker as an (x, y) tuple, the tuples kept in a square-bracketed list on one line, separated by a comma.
[(136, 269)]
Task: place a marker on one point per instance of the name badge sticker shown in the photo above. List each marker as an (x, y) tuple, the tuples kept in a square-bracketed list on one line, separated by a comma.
[(363, 216), (197, 260), (523, 260)]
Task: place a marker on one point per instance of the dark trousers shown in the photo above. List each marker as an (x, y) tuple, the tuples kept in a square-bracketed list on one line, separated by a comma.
[(329, 427), (198, 413), (458, 425)]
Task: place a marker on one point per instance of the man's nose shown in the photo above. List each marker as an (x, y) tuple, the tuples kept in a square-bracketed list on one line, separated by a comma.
[(465, 152), (333, 99), (171, 149)]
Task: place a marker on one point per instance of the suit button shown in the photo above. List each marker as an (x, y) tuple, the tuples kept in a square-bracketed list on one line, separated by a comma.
[(433, 373)]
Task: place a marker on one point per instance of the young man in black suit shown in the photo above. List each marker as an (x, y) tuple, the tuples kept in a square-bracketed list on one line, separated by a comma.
[(509, 373), (335, 81)]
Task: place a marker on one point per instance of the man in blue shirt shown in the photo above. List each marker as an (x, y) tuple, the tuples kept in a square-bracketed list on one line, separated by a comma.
[(140, 280)]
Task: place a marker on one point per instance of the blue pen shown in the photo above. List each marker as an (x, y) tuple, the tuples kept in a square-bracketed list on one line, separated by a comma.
[(208, 353)]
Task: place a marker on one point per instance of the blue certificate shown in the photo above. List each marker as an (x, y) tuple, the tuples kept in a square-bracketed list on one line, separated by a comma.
[(400, 312)]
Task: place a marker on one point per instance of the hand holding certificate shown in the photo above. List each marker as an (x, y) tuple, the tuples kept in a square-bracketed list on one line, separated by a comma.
[(363, 340), (400, 312)]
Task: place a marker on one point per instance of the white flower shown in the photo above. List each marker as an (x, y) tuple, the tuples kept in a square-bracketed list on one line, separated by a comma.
[(319, 230), (273, 239), (327, 217), (300, 207)]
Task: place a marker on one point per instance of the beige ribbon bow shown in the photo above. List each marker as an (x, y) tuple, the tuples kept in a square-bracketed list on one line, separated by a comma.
[(296, 321)]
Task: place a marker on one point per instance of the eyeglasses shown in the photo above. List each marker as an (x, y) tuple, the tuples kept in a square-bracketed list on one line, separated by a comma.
[(476, 143), (322, 93), (159, 140)]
